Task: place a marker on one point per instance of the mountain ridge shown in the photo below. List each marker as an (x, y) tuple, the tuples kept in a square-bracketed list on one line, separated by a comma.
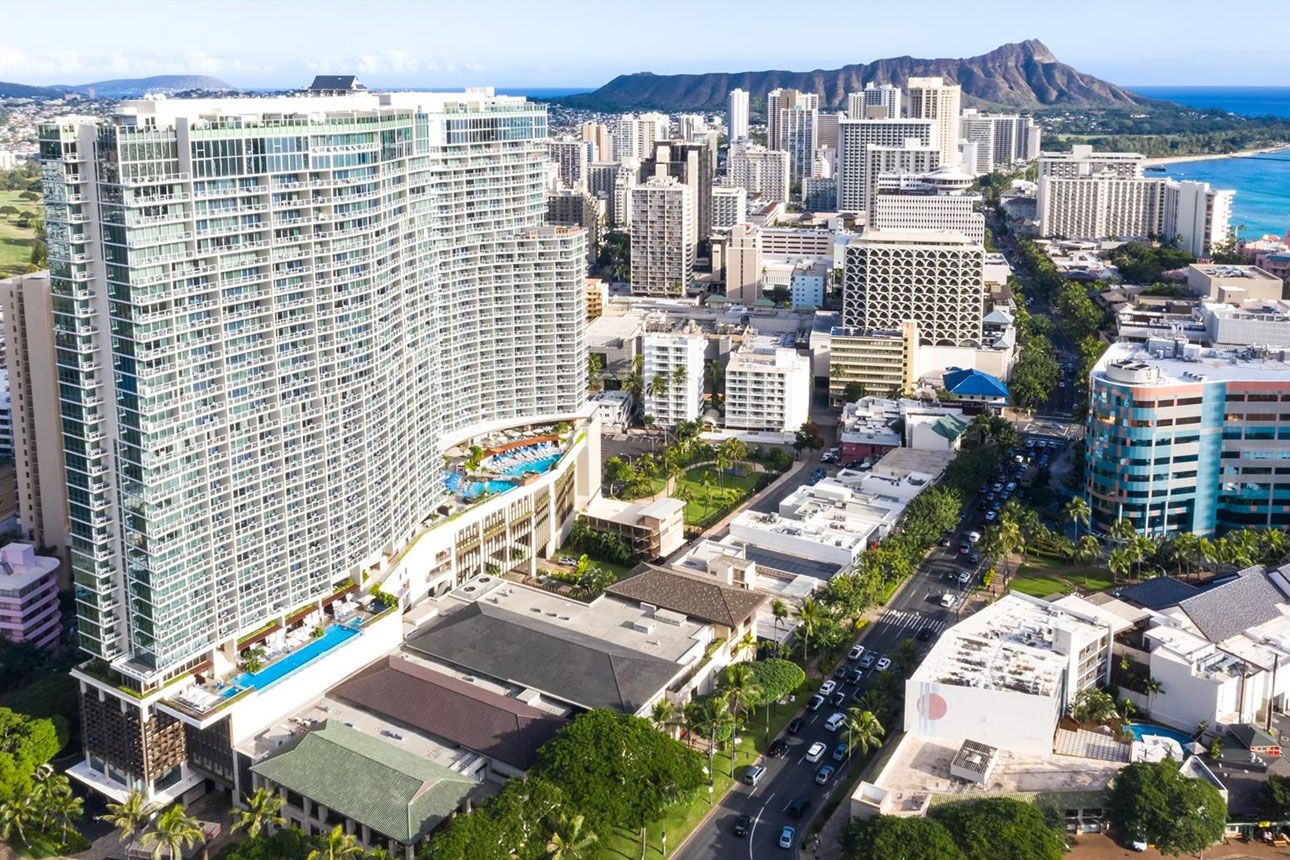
[(117, 88), (1020, 74)]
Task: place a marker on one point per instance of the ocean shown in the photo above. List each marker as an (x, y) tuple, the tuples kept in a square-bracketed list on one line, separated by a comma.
[(1261, 182), (1247, 101)]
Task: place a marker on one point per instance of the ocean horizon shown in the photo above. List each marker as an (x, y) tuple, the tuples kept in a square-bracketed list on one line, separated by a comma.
[(1245, 101)]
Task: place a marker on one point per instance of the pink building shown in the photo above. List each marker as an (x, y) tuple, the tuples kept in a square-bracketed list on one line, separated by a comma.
[(28, 596)]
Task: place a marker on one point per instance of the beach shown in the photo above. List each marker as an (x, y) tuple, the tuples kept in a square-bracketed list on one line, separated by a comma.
[(1179, 159)]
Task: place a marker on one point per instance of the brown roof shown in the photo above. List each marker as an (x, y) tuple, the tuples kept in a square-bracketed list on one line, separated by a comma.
[(704, 599), (497, 726)]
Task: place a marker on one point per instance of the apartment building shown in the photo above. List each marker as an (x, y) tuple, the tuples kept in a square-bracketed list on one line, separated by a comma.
[(663, 237), (612, 182), (1003, 141), (737, 114), (1081, 160), (808, 284), (768, 385), (868, 148), (569, 207), (932, 98), (601, 140), (28, 596), (571, 156), (673, 375), (729, 206), (653, 530), (875, 102), (798, 242), (692, 164), (26, 305), (744, 264), (763, 173), (792, 119), (940, 200), (217, 490), (934, 279), (882, 362), (1184, 438), (1197, 215)]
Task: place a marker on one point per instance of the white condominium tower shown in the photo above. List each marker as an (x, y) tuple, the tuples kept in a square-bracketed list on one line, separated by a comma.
[(855, 180), (1083, 161), (760, 171), (737, 115), (673, 375), (791, 126), (940, 200), (934, 279), (571, 156), (932, 98), (274, 316), (874, 102), (1003, 140), (729, 206), (664, 213)]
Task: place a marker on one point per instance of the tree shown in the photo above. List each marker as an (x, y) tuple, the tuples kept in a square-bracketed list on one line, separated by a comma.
[(174, 832), (15, 815), (1087, 550), (1035, 374), (740, 686), (808, 436), (905, 657), (1122, 531), (1000, 828), (892, 838), (1154, 802), (810, 616), (129, 817), (1274, 794), (779, 609), (658, 385), (1077, 513), (680, 376), (1092, 705), (595, 367), (1154, 688), (853, 391), (662, 714), (337, 845), (715, 375), (864, 731), (709, 717), (775, 678), (25, 744), (568, 839), (261, 813)]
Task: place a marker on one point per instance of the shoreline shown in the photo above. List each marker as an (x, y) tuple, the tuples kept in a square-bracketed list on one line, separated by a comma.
[(1213, 156)]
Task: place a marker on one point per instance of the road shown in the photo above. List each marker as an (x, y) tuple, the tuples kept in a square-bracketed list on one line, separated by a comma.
[(914, 607)]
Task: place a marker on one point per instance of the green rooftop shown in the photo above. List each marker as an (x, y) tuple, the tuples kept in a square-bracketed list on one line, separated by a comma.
[(366, 779), (950, 426)]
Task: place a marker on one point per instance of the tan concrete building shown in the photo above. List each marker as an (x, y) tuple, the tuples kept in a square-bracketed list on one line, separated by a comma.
[(744, 264), (1230, 284), (27, 305), (652, 529)]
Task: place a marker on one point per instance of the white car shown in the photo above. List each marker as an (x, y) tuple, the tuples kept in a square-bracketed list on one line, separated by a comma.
[(827, 688), (964, 577), (884, 664), (835, 721), (816, 752), (974, 538), (948, 600), (855, 652)]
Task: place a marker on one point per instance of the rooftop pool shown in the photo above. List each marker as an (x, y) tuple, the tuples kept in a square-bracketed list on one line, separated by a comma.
[(469, 489), (334, 635)]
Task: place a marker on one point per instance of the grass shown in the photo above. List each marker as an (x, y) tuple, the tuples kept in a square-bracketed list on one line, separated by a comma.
[(704, 506), (1042, 577), (15, 241), (683, 817)]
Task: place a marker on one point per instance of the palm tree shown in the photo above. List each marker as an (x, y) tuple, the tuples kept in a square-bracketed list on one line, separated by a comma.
[(863, 730), (714, 372), (779, 609), (1154, 688), (1088, 550), (663, 713), (1011, 541), (810, 615), (680, 375), (1078, 512), (658, 385), (741, 686), (710, 718), (174, 832), (903, 658), (339, 845), (568, 841), (873, 700), (1121, 531), (1119, 562), (746, 644), (129, 817), (260, 814), (14, 817), (722, 458), (66, 808)]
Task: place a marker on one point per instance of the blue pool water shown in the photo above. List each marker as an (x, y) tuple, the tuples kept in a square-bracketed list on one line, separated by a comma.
[(332, 636), (471, 490), (538, 466), (1141, 730)]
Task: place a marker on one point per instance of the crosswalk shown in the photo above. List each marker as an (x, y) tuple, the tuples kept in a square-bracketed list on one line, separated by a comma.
[(914, 621)]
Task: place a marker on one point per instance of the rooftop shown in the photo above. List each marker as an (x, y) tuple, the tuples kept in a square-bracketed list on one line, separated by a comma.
[(1249, 600), (1158, 593), (1137, 364), (369, 780), (704, 599), (973, 383)]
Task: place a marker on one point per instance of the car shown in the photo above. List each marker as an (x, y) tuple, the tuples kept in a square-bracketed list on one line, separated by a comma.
[(855, 652), (965, 577), (946, 541), (742, 825), (800, 804), (996, 486), (974, 557), (884, 664), (1061, 383), (835, 720), (815, 752), (823, 775), (964, 548), (974, 538), (925, 634), (840, 672), (828, 687), (829, 458), (786, 837), (854, 676), (753, 774), (795, 725), (1030, 443), (839, 697), (777, 748), (840, 751), (1012, 487), (990, 516), (815, 702), (867, 660)]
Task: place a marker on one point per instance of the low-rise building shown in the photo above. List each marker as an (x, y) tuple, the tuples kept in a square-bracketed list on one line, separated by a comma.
[(615, 408), (28, 596), (653, 529), (767, 385), (808, 283), (872, 426), (1232, 283)]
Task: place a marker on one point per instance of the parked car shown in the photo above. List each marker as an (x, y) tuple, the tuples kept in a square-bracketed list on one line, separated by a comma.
[(828, 687), (965, 577), (855, 652), (840, 751), (777, 748), (990, 516), (795, 725), (786, 837), (948, 600), (974, 538), (840, 672), (799, 805), (884, 664), (823, 775), (754, 774), (742, 825), (815, 752), (854, 676), (867, 660), (1012, 487), (815, 702), (839, 698), (964, 548), (974, 557), (835, 721)]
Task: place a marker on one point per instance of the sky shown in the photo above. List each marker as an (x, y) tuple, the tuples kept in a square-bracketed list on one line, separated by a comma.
[(570, 43)]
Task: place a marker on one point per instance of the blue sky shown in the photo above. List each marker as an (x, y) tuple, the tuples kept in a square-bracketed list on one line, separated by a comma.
[(568, 43)]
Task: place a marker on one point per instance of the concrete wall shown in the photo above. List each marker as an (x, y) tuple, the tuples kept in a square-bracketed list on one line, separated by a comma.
[(1000, 718)]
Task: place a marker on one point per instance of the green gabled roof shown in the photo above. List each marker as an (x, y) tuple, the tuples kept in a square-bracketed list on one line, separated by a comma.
[(369, 780), (950, 426)]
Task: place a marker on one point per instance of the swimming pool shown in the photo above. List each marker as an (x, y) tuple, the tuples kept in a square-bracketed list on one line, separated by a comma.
[(1141, 730), (539, 466), (332, 636), (471, 490)]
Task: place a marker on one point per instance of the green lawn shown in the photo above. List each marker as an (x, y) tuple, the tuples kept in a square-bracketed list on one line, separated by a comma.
[(683, 817), (15, 241), (1042, 577), (706, 505)]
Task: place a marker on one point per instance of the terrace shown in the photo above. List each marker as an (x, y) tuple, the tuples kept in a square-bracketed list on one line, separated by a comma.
[(497, 462)]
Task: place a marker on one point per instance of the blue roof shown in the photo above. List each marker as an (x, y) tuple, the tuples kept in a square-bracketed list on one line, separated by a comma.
[(973, 383)]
